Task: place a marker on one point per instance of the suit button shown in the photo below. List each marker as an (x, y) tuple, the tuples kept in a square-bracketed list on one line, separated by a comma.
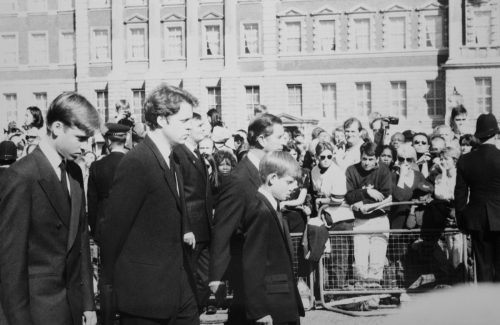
[(59, 225), (81, 283)]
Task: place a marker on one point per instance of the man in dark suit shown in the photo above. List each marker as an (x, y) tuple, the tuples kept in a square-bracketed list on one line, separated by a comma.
[(101, 175), (477, 198), (198, 195), (265, 134), (145, 266), (271, 294), (45, 269)]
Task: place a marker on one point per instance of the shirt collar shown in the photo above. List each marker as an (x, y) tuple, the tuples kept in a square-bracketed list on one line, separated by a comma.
[(253, 159), (51, 153), (191, 147), (163, 146), (269, 197)]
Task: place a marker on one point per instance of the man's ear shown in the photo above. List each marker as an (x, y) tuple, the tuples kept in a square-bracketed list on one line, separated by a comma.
[(57, 128), (271, 178), (261, 141), (161, 120)]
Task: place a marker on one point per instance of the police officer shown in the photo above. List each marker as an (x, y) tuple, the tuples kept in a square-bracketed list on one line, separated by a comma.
[(102, 172)]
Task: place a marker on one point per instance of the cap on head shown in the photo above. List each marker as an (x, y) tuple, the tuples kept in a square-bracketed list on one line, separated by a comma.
[(116, 129), (486, 126), (8, 152)]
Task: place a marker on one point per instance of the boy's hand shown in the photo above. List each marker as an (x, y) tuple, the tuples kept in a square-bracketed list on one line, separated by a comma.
[(190, 240), (374, 194), (265, 320), (357, 206)]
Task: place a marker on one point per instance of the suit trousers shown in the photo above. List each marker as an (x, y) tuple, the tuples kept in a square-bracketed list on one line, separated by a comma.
[(486, 246), (187, 313), (200, 263)]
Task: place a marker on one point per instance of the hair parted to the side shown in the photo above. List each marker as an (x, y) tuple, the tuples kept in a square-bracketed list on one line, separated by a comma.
[(37, 116), (165, 100), (279, 162), (73, 110), (261, 125), (351, 121), (369, 149), (322, 146)]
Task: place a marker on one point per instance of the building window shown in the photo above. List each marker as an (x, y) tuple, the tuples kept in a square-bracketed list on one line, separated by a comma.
[(66, 4), (10, 106), (435, 98), (174, 41), (102, 103), (100, 45), (482, 27), (329, 100), (250, 38), (137, 42), (483, 95), (41, 100), (213, 39), (295, 99), (214, 98), (8, 50), (326, 35), (67, 47), (398, 98), (434, 31), (293, 37), (136, 2), (38, 49), (99, 3), (252, 99), (37, 5), (364, 98), (362, 34), (8, 6), (397, 33), (138, 96)]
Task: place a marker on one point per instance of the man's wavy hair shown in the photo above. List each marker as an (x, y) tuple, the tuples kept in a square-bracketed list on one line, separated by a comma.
[(165, 100)]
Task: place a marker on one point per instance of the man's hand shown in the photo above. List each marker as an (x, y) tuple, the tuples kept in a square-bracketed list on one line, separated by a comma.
[(267, 320), (190, 240), (357, 206), (89, 318), (218, 288), (374, 194)]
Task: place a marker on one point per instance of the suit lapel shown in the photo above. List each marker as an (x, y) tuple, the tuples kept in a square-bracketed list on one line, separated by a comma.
[(167, 174), (76, 204), (52, 186), (198, 164), (253, 172)]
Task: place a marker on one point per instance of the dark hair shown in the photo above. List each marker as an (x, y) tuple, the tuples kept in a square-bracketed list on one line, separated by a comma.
[(73, 110), (363, 134), (421, 134), (369, 149), (165, 100), (221, 155), (37, 117), (394, 153), (215, 118), (297, 133), (351, 121), (291, 145), (196, 116), (458, 110), (261, 125), (316, 132), (469, 140), (322, 146), (435, 136)]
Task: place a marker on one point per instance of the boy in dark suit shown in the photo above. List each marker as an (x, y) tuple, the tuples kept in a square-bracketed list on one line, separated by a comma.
[(44, 246), (270, 289)]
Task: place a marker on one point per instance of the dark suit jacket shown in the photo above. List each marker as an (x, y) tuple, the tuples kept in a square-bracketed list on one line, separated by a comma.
[(44, 247), (197, 191), (101, 175), (232, 204), (269, 282), (142, 246), (478, 181)]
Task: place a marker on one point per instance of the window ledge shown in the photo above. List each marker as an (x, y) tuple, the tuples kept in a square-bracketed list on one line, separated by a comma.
[(179, 59), (8, 14), (144, 60), (100, 63), (66, 64), (251, 57), (212, 57)]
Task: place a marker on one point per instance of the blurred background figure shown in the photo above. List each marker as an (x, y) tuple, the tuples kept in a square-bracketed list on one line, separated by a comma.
[(33, 121), (458, 121), (8, 155)]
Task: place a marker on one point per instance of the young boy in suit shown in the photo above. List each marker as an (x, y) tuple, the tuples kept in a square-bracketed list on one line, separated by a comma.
[(270, 289)]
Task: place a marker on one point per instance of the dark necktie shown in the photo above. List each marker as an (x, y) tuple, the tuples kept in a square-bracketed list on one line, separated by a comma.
[(172, 171), (64, 179), (284, 228)]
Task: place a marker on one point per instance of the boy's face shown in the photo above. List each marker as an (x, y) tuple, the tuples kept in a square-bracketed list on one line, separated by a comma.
[(197, 130), (352, 134), (274, 141), (282, 187), (176, 128), (368, 162), (70, 142)]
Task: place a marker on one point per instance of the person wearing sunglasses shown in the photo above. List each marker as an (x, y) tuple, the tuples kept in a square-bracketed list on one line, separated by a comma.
[(458, 120), (421, 145), (329, 187)]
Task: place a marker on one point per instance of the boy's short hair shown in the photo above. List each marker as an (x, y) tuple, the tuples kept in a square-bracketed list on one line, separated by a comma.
[(165, 100), (351, 121), (73, 110), (261, 125), (369, 149), (196, 116), (279, 162)]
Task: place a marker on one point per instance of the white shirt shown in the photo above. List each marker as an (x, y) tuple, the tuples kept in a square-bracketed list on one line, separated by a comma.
[(269, 197), (191, 147), (54, 159), (163, 146), (253, 159)]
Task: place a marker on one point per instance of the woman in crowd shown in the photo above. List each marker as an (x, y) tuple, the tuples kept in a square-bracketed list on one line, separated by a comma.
[(297, 208), (458, 120), (33, 124), (388, 156), (225, 162), (467, 143)]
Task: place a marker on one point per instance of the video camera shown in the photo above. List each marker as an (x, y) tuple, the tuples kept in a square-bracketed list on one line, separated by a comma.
[(388, 120), (128, 120)]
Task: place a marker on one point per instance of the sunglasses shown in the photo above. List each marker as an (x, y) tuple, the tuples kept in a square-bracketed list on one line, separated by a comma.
[(322, 157), (407, 159), (420, 142), (30, 137)]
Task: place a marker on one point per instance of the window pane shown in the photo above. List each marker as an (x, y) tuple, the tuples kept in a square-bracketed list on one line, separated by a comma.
[(101, 44), (482, 27), (434, 31), (363, 98), (362, 34), (213, 39), (397, 32), (8, 50), (252, 99), (214, 98), (329, 96), (38, 49), (398, 98), (251, 38), (137, 43), (67, 47), (293, 37), (483, 95), (174, 42), (7, 6), (10, 106), (327, 35), (41, 100), (295, 99)]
